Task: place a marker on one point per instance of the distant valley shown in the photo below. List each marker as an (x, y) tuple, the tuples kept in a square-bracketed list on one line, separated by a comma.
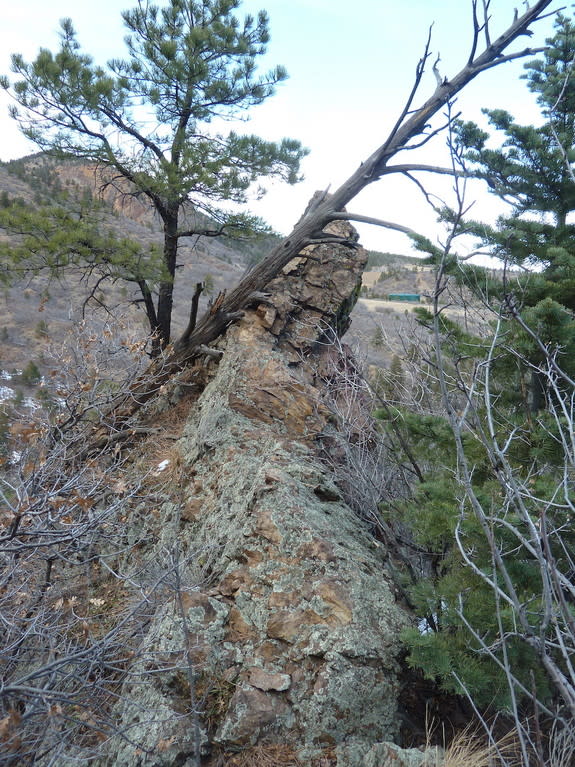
[(38, 312)]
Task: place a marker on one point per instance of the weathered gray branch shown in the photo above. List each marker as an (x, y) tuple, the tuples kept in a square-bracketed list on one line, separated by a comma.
[(421, 167), (344, 216)]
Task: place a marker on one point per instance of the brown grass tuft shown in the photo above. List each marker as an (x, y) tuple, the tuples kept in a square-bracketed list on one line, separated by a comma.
[(469, 749), (272, 755)]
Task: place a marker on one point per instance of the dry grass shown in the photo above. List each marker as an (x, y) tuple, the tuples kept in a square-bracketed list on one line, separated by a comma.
[(162, 459), (171, 420), (468, 749), (561, 747), (273, 755)]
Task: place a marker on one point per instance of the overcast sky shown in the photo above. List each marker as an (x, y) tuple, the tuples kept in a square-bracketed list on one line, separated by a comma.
[(351, 66)]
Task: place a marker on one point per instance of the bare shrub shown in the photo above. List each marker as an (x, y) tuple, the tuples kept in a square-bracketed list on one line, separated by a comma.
[(77, 585)]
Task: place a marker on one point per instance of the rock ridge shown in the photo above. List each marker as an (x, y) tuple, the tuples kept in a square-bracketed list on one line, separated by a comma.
[(290, 635)]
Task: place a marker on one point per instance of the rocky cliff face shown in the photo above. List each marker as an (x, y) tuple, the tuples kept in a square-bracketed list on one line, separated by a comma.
[(282, 630)]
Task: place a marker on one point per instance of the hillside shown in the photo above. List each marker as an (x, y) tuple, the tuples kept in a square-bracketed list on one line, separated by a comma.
[(37, 313), (210, 534)]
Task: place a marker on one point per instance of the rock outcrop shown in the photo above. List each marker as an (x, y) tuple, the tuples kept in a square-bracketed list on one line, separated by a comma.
[(283, 631)]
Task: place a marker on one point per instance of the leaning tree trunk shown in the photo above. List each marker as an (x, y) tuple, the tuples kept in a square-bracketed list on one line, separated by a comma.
[(324, 209), (310, 230)]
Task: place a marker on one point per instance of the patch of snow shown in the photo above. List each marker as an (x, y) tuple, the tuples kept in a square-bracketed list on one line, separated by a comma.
[(424, 627), (6, 393)]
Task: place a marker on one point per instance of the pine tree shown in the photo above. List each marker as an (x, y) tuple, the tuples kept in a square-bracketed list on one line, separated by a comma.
[(494, 505), (514, 479), (148, 118), (531, 171)]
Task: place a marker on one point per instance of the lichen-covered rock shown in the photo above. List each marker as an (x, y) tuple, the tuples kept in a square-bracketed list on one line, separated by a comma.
[(387, 755), (294, 635)]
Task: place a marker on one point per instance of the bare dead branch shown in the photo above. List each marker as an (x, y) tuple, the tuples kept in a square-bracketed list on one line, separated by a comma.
[(315, 220), (344, 216)]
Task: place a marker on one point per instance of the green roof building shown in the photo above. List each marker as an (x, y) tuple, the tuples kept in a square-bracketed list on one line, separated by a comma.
[(413, 298)]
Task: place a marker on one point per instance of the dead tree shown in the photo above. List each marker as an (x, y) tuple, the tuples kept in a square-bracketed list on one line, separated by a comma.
[(409, 132)]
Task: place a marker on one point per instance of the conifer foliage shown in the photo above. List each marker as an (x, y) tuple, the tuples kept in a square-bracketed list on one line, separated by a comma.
[(488, 527), (156, 118), (532, 171)]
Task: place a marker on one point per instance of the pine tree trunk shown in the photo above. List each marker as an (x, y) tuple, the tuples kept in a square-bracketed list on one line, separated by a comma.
[(166, 288), (538, 399)]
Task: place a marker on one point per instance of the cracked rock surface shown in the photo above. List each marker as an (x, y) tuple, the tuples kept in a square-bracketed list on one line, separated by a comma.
[(293, 628)]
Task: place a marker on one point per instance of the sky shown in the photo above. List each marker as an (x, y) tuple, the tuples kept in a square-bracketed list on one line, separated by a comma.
[(351, 67)]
